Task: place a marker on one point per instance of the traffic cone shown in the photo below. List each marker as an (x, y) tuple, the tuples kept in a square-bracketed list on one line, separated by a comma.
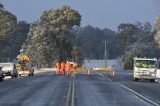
[(113, 73), (89, 72)]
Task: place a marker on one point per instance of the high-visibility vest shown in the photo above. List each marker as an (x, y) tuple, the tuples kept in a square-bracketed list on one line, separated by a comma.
[(58, 65), (62, 65), (68, 66)]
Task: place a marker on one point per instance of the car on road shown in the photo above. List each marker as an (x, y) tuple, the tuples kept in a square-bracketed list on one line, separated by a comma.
[(9, 69), (1, 74)]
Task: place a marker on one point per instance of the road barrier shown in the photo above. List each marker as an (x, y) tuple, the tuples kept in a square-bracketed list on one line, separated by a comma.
[(102, 69), (79, 69)]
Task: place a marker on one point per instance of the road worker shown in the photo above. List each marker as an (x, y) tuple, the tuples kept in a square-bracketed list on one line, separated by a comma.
[(75, 68), (63, 68), (58, 68), (68, 66)]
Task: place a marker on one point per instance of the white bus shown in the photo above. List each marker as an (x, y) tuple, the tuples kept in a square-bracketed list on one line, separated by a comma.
[(145, 68)]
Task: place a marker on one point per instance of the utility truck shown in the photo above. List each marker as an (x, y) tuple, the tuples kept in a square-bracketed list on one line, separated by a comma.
[(23, 66), (145, 68)]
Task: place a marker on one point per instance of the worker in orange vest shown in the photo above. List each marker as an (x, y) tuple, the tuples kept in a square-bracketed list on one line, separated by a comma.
[(75, 68), (63, 68), (58, 67), (68, 67)]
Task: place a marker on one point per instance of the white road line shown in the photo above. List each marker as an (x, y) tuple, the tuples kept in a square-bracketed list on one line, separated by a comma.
[(141, 96), (68, 95), (72, 102), (136, 93)]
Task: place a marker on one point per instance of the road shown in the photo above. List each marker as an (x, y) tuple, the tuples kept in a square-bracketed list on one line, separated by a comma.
[(143, 87), (47, 89)]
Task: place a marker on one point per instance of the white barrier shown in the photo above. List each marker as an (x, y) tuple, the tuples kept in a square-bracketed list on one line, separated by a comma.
[(48, 69)]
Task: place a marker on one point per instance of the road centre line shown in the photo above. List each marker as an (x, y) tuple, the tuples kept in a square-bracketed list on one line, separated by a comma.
[(70, 95), (73, 88)]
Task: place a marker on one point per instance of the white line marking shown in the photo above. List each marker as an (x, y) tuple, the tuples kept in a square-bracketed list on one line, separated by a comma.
[(68, 95), (72, 104), (136, 93)]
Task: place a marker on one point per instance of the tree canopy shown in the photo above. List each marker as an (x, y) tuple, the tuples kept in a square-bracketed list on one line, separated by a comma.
[(8, 22), (49, 38), (10, 47)]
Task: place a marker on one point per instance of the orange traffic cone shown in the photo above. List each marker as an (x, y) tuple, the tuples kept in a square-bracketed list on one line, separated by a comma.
[(113, 73), (89, 72)]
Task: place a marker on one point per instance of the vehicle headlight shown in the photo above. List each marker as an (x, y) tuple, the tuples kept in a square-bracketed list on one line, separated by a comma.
[(137, 73), (152, 74)]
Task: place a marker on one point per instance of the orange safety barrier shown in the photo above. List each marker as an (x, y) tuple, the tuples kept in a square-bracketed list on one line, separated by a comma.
[(102, 69), (78, 68)]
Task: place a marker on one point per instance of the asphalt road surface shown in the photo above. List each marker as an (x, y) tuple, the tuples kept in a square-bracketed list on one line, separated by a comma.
[(47, 89)]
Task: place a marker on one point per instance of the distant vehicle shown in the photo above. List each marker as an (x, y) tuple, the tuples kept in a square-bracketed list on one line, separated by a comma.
[(1, 74), (9, 69), (145, 68), (23, 66)]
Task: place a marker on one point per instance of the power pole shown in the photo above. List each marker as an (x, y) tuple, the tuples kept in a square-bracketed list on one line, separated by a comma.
[(105, 52)]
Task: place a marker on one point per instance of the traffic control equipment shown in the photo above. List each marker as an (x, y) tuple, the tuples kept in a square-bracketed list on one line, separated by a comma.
[(89, 72), (113, 73)]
